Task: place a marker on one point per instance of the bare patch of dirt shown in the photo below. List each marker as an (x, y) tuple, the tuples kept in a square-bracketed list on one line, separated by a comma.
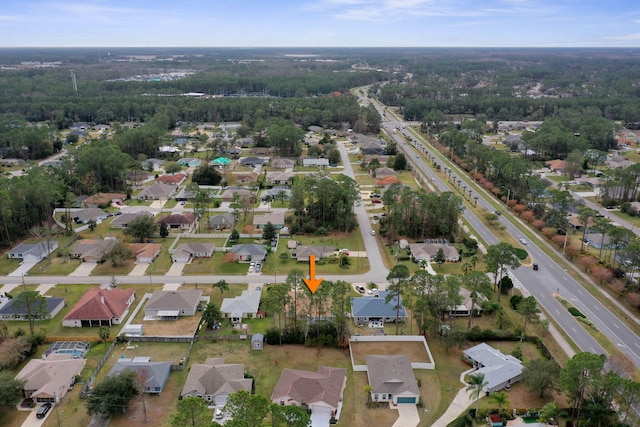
[(414, 349)]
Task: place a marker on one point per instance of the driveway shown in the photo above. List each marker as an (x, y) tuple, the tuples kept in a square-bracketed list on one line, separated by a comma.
[(139, 269), (407, 416), (320, 419), (23, 268), (84, 269), (176, 269)]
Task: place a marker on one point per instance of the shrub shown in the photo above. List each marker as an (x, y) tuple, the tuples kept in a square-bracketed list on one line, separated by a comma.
[(520, 253), (576, 313), (515, 301)]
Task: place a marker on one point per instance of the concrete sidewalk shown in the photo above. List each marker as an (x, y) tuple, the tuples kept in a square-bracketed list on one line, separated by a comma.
[(459, 404)]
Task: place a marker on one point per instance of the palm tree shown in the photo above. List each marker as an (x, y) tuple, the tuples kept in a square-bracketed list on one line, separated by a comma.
[(475, 385), (222, 285), (501, 399)]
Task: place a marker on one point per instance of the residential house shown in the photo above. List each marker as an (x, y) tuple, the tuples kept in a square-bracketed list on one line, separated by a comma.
[(276, 193), (387, 181), (33, 252), (320, 392), (260, 151), (220, 162), (185, 252), (282, 163), (50, 379), (85, 216), (557, 165), (371, 147), (242, 193), (384, 172), (92, 250), (169, 149), (103, 199), (428, 251), (241, 307), (392, 379), (102, 127), (276, 218), (100, 307), (49, 308), (214, 380), (145, 253), (245, 142), (598, 240), (499, 369), (222, 221), (136, 177), (81, 126), (174, 179), (279, 178), (122, 221), (244, 178), (252, 162), (247, 252), (152, 164), (381, 159), (315, 162), (184, 222), (616, 162), (157, 191), (190, 162), (173, 304), (155, 374), (377, 309), (234, 151), (464, 308), (303, 252)]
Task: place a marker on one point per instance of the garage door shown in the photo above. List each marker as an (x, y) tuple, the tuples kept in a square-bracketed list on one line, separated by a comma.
[(407, 400)]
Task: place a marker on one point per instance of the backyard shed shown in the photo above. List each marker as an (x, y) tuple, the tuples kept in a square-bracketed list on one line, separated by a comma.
[(133, 330), (257, 341)]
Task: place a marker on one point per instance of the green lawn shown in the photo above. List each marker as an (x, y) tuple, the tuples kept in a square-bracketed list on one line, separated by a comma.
[(57, 266), (8, 265), (215, 265), (123, 268)]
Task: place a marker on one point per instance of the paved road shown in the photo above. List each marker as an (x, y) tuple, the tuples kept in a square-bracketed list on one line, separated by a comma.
[(549, 279)]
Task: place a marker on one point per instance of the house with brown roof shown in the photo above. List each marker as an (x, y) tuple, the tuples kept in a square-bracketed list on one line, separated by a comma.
[(136, 177), (172, 304), (244, 178), (282, 163), (279, 178), (276, 218), (386, 181), (320, 392), (557, 165), (392, 379), (103, 199), (428, 251), (100, 307), (50, 379), (175, 179), (384, 172), (183, 222), (92, 250), (214, 380), (145, 253), (242, 193)]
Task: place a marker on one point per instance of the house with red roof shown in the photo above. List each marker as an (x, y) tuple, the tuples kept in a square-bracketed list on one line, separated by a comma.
[(145, 252), (100, 307), (176, 179)]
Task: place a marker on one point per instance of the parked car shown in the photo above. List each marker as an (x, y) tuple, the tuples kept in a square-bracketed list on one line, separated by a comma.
[(344, 252), (373, 232), (535, 267), (219, 414), (360, 289), (43, 410), (373, 291), (377, 201)]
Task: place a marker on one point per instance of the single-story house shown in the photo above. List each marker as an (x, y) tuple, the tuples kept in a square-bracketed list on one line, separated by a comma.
[(92, 250), (12, 310), (33, 252), (241, 307), (152, 164), (616, 162), (179, 221), (84, 216), (252, 162), (155, 374), (100, 307), (282, 163), (279, 178), (122, 221), (175, 179), (366, 309), (214, 380), (315, 162), (557, 165), (190, 162), (386, 181), (275, 193), (145, 253), (103, 199), (392, 379), (597, 240), (222, 221), (245, 142), (172, 304), (464, 308), (499, 369), (303, 252), (157, 191), (428, 251), (81, 126), (244, 178), (50, 379), (257, 342), (319, 392), (371, 147), (383, 172), (276, 218), (169, 149), (260, 151), (243, 193), (185, 252), (247, 252), (135, 177)]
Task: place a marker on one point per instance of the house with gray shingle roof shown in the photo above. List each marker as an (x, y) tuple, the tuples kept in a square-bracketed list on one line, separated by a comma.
[(156, 374), (85, 216), (48, 379), (185, 252), (122, 221), (499, 369), (33, 252), (92, 250), (279, 178), (214, 380), (172, 304), (179, 221), (275, 194), (375, 308), (50, 307), (222, 221), (157, 191), (241, 307), (282, 163), (392, 379), (276, 219), (428, 251), (247, 252), (303, 252)]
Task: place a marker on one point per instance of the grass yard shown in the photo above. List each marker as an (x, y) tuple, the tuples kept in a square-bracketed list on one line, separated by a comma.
[(215, 265), (123, 268), (8, 265), (184, 325), (56, 266), (161, 265), (414, 349)]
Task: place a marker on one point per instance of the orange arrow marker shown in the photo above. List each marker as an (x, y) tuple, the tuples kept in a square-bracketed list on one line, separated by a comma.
[(312, 283)]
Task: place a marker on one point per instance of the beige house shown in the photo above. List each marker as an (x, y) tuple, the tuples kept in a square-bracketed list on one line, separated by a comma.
[(173, 304), (214, 380), (392, 379), (50, 379)]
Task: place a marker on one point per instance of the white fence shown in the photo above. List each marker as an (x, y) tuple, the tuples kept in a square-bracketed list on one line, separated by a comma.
[(396, 339)]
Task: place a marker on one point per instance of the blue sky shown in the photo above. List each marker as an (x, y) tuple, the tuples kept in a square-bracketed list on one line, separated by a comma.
[(310, 23)]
